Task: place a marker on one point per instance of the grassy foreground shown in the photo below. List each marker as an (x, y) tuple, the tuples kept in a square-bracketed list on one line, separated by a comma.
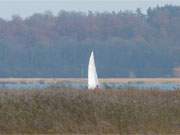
[(95, 112)]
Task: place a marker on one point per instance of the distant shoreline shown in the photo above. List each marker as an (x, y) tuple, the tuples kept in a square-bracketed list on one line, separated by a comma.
[(102, 80)]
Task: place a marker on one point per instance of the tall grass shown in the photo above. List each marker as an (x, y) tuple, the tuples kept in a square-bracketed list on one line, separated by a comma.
[(95, 112)]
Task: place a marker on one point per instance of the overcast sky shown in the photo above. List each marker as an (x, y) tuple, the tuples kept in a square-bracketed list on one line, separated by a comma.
[(28, 7)]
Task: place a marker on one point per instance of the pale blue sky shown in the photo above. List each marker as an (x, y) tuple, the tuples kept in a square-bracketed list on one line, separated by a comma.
[(28, 7)]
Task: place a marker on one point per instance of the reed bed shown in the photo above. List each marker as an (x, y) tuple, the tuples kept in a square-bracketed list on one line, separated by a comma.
[(89, 112)]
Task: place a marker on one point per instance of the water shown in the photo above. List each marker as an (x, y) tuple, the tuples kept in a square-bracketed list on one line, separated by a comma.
[(71, 85), (143, 86)]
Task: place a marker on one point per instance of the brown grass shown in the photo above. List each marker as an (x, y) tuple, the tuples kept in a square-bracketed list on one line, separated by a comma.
[(95, 112)]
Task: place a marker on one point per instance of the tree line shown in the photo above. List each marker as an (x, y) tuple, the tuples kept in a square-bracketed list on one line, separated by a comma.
[(125, 43)]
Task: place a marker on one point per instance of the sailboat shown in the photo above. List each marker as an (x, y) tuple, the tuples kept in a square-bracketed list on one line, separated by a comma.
[(93, 82)]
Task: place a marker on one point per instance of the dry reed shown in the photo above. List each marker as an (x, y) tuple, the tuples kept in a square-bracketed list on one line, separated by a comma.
[(95, 112)]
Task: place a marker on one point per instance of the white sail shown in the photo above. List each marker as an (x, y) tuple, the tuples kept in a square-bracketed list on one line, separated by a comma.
[(92, 74)]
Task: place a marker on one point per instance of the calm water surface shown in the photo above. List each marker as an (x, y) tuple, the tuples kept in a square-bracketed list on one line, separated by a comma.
[(41, 86)]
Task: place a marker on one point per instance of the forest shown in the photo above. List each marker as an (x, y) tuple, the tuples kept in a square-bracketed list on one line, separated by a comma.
[(126, 43)]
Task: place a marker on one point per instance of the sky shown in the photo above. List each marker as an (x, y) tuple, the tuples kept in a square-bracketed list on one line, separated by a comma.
[(25, 8)]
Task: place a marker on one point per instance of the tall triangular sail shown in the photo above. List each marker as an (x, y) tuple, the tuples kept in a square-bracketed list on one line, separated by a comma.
[(93, 82)]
